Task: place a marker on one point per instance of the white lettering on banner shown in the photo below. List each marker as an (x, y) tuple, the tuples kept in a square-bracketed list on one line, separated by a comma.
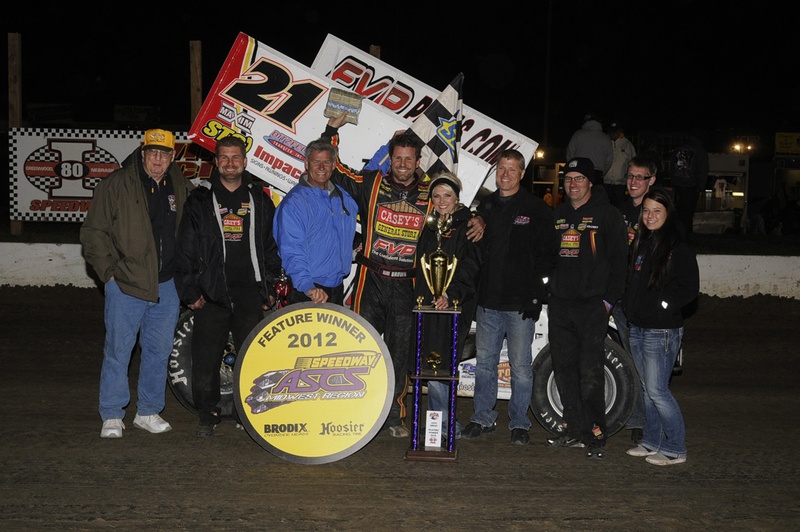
[(367, 75)]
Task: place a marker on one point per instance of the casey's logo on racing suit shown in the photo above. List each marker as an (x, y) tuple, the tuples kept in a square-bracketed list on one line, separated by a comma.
[(399, 220)]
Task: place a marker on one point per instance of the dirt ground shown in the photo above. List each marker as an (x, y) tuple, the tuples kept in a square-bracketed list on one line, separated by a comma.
[(739, 391)]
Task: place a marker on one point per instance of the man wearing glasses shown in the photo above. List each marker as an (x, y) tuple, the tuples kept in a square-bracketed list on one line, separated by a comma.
[(589, 277), (129, 239), (640, 176)]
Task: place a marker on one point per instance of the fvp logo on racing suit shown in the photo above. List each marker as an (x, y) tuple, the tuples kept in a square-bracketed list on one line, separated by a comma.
[(327, 377)]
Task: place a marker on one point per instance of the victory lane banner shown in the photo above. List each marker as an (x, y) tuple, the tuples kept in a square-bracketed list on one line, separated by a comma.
[(314, 383)]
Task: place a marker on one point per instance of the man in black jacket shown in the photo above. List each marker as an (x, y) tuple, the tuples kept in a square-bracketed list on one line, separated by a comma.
[(519, 245), (227, 263), (589, 277)]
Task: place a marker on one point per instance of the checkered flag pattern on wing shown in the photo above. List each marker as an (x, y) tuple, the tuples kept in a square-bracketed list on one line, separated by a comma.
[(439, 128)]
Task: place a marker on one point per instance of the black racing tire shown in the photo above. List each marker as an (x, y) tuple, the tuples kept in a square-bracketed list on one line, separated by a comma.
[(179, 377), (622, 388)]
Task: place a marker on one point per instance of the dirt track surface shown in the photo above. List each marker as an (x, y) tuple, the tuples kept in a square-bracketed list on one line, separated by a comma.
[(739, 391)]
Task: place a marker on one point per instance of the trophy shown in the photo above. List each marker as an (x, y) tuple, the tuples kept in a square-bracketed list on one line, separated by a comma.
[(438, 267)]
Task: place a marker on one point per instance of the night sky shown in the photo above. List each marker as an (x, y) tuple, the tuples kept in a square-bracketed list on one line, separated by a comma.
[(662, 66)]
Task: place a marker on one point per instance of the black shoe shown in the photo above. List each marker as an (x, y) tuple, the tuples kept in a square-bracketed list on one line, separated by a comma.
[(204, 430), (476, 430), (636, 436), (595, 451), (564, 441), (519, 437)]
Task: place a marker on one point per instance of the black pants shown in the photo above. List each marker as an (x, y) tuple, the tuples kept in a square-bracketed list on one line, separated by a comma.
[(387, 305), (577, 337), (213, 325)]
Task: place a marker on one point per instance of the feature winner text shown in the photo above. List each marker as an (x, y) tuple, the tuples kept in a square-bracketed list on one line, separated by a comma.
[(306, 340)]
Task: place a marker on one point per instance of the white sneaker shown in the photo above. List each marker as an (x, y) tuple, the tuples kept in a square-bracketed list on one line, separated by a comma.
[(112, 428), (661, 460), (153, 424), (399, 431), (640, 451)]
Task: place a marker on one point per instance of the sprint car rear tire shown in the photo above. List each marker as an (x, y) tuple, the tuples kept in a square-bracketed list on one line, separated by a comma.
[(179, 375), (622, 388)]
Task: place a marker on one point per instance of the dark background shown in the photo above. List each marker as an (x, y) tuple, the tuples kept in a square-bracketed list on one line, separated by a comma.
[(726, 67)]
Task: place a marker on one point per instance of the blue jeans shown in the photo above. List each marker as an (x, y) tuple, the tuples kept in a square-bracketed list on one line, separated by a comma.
[(127, 317), (637, 419), (491, 327), (655, 351)]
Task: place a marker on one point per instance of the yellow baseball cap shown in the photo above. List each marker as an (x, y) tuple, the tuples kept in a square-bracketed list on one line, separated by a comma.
[(159, 139)]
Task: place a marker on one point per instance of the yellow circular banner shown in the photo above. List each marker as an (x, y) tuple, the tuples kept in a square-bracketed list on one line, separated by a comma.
[(314, 383)]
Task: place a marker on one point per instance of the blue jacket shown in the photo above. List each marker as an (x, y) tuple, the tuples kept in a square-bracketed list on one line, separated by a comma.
[(314, 230)]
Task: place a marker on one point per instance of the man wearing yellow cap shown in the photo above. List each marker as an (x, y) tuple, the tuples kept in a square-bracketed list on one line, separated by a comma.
[(128, 238)]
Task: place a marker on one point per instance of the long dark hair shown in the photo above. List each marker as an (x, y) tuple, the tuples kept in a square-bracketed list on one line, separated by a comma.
[(662, 240)]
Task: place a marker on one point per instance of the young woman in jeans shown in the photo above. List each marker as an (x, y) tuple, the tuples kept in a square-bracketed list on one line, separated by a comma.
[(663, 278)]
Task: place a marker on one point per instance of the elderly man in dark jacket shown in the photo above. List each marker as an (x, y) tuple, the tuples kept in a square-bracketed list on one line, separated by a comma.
[(128, 237)]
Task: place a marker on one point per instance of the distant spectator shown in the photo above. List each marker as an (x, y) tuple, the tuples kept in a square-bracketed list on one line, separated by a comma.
[(688, 172), (614, 180), (548, 197), (590, 142)]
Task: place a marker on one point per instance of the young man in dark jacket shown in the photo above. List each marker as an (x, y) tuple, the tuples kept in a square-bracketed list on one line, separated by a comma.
[(518, 255), (128, 237), (589, 277), (227, 264)]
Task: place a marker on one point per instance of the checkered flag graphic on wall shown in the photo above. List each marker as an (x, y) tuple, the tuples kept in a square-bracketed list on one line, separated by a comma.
[(439, 128)]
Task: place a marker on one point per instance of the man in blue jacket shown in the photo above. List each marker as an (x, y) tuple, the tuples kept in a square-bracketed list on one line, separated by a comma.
[(227, 264), (315, 225)]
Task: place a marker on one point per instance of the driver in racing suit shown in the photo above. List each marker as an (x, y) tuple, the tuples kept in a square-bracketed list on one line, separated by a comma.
[(392, 208)]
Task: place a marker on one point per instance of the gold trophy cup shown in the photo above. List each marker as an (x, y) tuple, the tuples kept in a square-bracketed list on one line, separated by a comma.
[(438, 267)]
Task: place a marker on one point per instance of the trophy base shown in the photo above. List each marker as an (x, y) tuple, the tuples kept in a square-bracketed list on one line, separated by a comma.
[(432, 456)]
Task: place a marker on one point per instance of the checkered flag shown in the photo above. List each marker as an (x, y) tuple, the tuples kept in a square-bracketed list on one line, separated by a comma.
[(439, 128)]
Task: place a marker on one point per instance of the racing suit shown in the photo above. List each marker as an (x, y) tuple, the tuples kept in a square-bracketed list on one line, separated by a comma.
[(392, 218)]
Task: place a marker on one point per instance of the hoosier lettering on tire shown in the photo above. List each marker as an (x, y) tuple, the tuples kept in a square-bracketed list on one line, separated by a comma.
[(179, 375), (622, 388)]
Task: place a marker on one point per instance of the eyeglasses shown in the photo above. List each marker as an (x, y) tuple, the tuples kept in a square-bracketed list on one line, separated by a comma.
[(576, 179), (157, 154), (632, 177)]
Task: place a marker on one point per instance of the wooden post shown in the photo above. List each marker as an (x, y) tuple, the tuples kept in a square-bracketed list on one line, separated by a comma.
[(14, 99), (196, 78)]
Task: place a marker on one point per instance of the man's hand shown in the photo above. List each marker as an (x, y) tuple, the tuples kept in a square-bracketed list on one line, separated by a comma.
[(338, 121), (475, 228), (317, 295), (441, 302), (531, 310), (201, 301)]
